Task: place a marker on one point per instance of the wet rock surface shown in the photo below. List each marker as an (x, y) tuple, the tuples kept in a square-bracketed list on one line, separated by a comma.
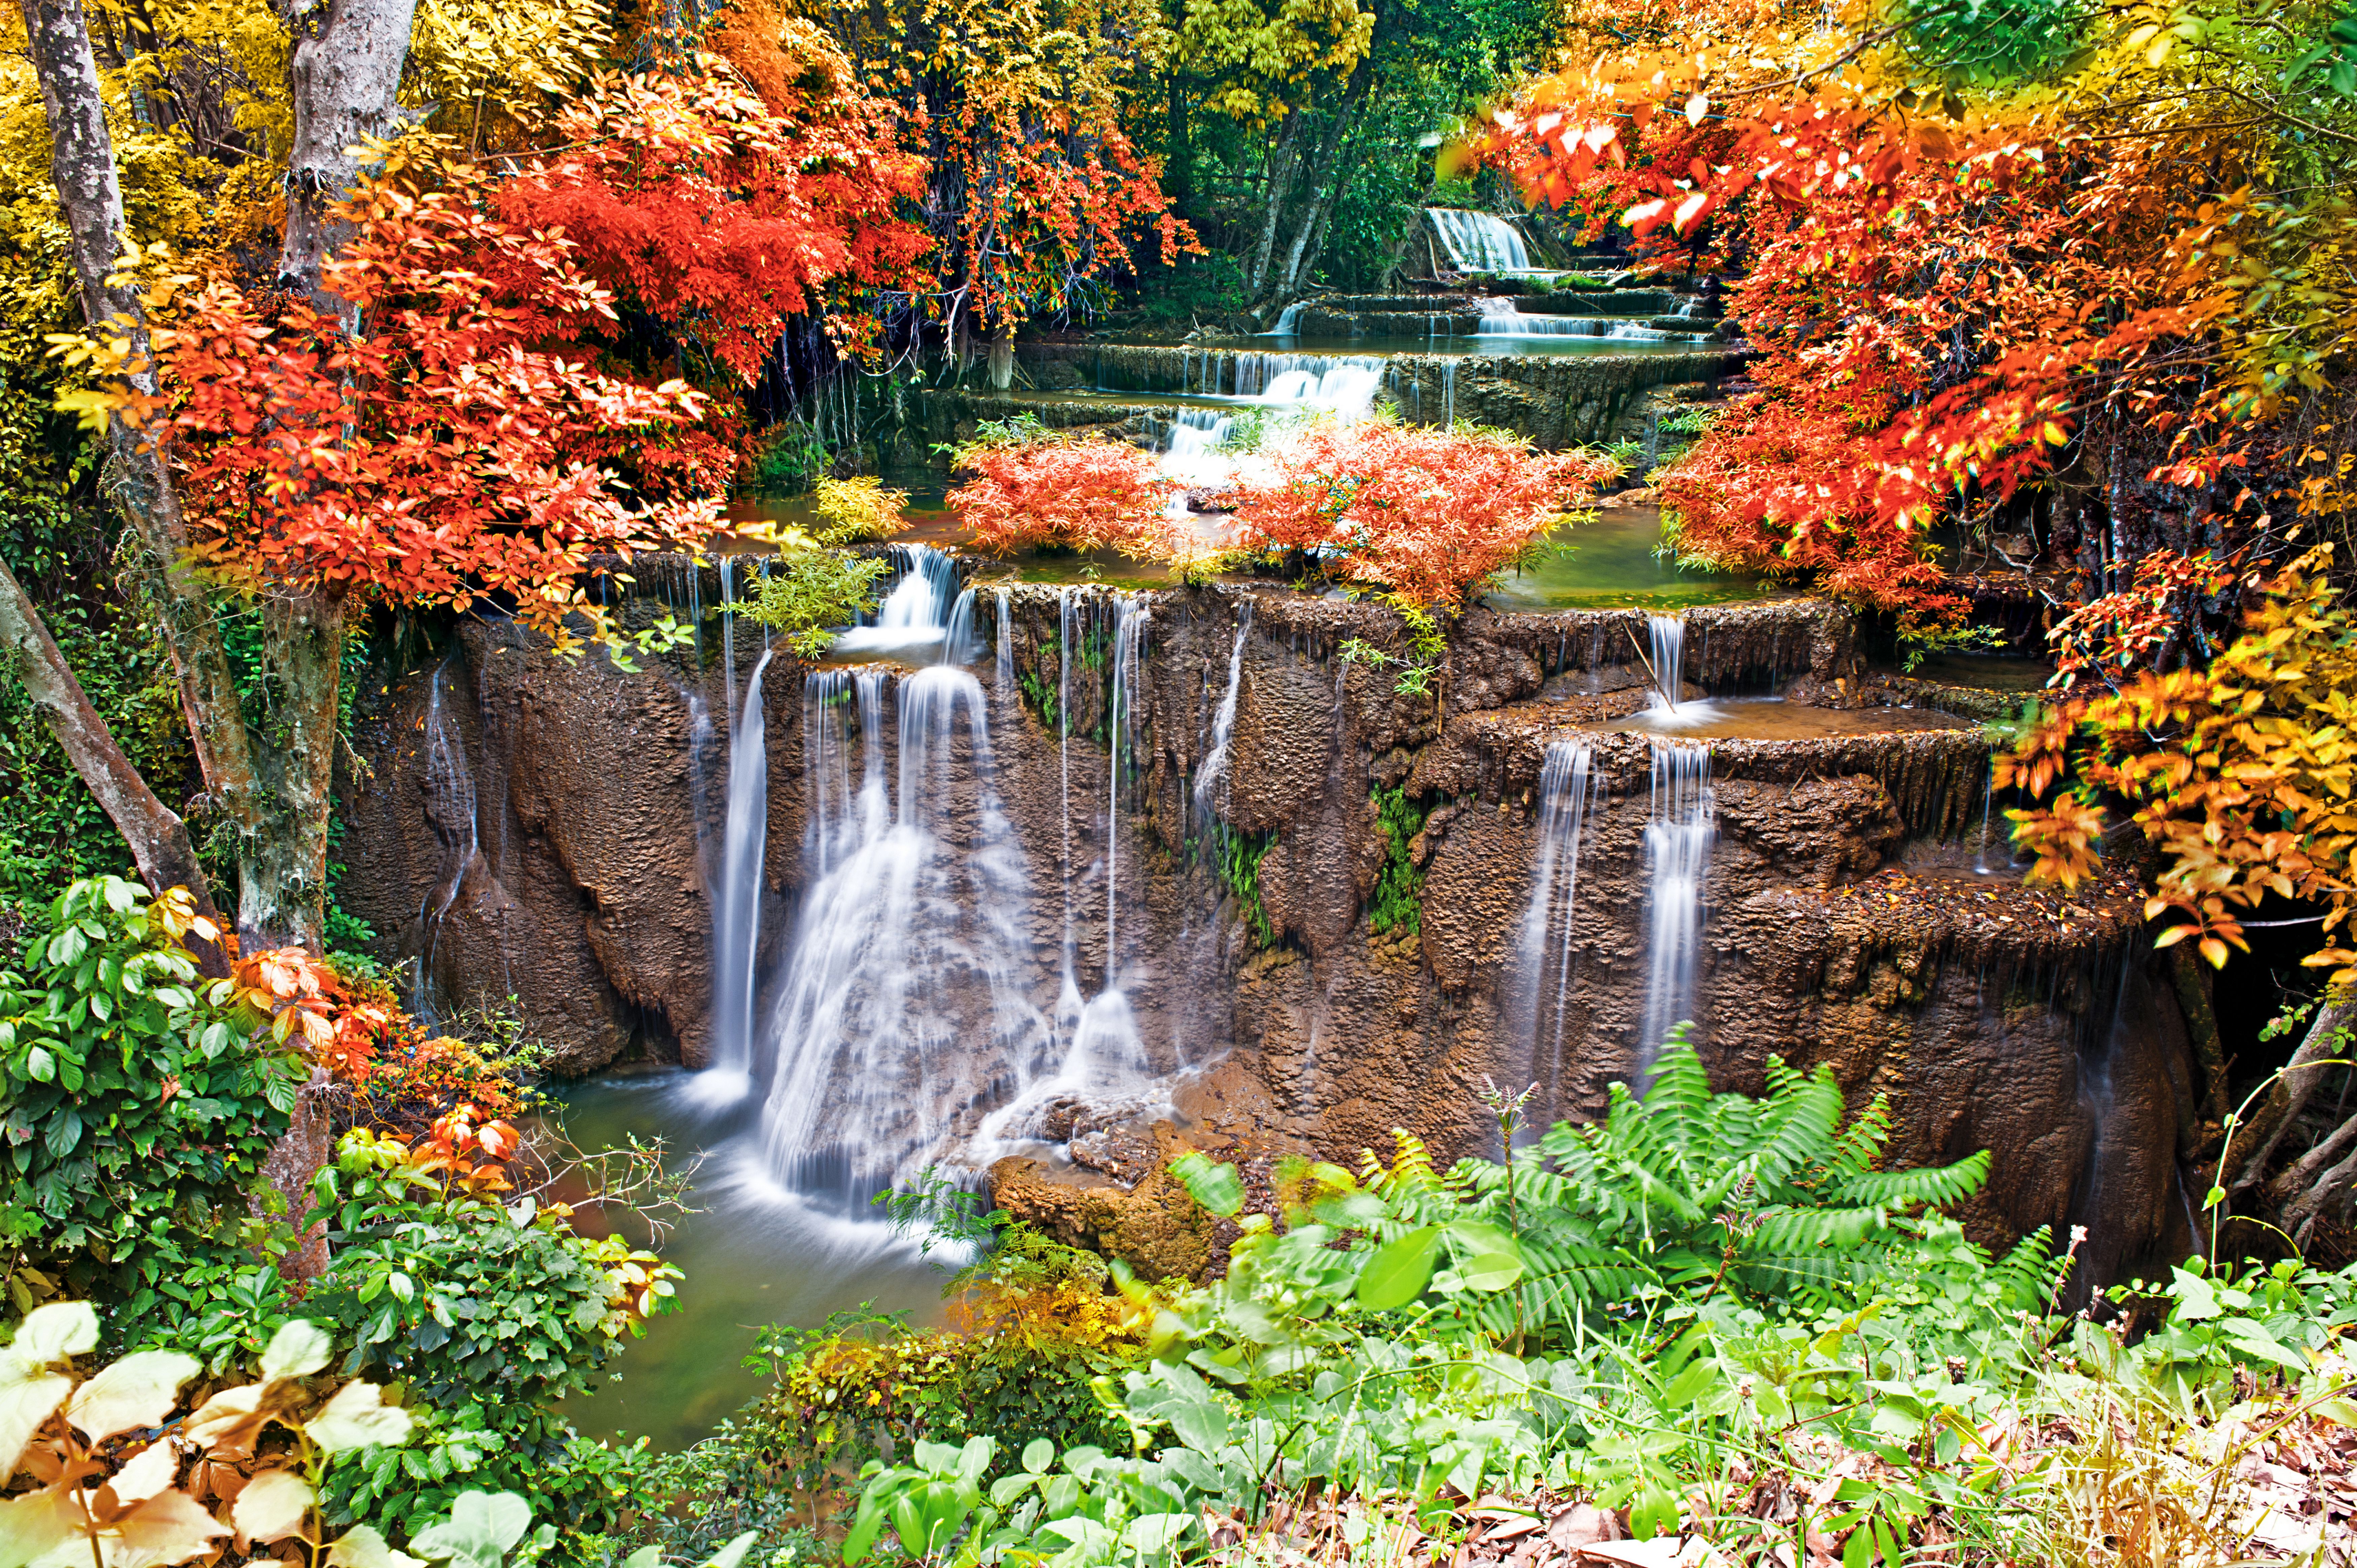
[(1993, 1016)]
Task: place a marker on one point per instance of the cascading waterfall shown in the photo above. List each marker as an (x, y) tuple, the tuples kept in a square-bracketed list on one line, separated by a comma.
[(1287, 318), (1678, 835), (1001, 665), (454, 810), (1190, 453), (1214, 768), (736, 909), (1988, 794), (906, 958), (1338, 383), (1668, 636), (1545, 940), (1512, 322), (915, 617), (1479, 242)]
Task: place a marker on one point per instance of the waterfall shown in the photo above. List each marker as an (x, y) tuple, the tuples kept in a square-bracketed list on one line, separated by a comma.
[(1668, 636), (915, 613), (1332, 383), (728, 627), (1448, 394), (1287, 318), (1002, 665), (1511, 323), (736, 907), (1988, 794), (1545, 941), (453, 808), (900, 1004), (958, 640), (1678, 835), (1479, 242), (1223, 725), (1190, 453)]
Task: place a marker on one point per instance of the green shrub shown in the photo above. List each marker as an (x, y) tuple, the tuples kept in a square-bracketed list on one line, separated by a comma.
[(137, 1110)]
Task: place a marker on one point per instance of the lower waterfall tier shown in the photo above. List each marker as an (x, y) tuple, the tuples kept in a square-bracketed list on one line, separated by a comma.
[(1150, 868)]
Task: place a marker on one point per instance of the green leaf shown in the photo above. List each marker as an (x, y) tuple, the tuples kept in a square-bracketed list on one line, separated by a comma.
[(479, 1529), (1216, 1186), (1202, 1426), (1398, 1272), (734, 1552), (1491, 1272)]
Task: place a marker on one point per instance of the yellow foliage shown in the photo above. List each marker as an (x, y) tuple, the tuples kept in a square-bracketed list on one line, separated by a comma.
[(2244, 775), (1265, 58), (469, 55), (858, 510)]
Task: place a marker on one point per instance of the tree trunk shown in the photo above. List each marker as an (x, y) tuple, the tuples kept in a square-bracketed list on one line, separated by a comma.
[(1001, 356), (158, 839), (2288, 1094), (283, 837), (82, 163), (346, 72), (1282, 161), (1324, 180)]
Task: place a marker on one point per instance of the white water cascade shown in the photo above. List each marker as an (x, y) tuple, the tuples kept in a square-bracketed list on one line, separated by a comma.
[(1479, 242), (902, 991), (1566, 786), (914, 622), (1678, 835), (1214, 768), (1505, 320), (1668, 636), (1102, 1055), (736, 903)]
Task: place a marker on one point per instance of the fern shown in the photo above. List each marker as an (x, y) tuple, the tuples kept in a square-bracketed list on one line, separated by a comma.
[(1685, 1189)]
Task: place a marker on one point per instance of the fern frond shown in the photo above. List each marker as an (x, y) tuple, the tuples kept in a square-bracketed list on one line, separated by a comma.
[(1807, 1115), (1936, 1185), (1861, 1143)]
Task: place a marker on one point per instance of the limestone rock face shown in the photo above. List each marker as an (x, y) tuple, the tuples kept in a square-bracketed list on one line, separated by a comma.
[(1842, 921), (553, 858)]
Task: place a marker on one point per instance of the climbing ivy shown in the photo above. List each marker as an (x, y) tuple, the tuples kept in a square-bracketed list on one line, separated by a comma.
[(1398, 901)]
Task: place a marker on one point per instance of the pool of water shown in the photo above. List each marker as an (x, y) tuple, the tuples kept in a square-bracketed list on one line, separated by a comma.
[(1616, 562), (755, 1254), (1773, 718)]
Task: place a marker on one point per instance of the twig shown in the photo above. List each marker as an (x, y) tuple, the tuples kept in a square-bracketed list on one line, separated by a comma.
[(1670, 695)]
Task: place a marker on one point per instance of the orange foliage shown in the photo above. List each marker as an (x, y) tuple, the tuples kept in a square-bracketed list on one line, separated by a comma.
[(1934, 299), (723, 213), (1427, 513), (1060, 492), (305, 1003), (433, 460), (2239, 773)]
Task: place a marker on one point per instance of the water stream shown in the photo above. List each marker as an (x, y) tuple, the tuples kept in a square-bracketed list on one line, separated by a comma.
[(1545, 943), (1679, 830)]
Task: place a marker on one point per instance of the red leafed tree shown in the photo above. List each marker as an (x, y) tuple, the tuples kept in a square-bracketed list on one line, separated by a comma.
[(1931, 299), (1426, 513), (1055, 492), (433, 459), (724, 216)]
